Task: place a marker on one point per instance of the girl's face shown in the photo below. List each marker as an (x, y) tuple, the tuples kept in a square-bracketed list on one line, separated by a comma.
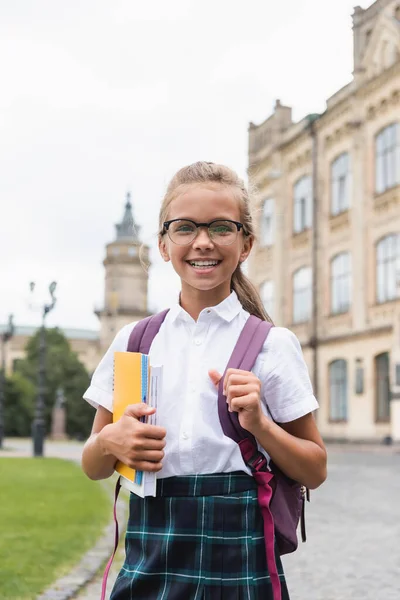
[(203, 204)]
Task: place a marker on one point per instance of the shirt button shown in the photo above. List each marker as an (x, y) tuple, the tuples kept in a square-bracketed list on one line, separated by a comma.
[(197, 342), (185, 435)]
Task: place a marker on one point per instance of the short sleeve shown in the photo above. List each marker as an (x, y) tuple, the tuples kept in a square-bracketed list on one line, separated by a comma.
[(286, 385), (100, 391)]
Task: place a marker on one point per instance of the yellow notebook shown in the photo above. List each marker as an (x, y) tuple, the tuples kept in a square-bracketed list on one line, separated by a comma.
[(135, 381)]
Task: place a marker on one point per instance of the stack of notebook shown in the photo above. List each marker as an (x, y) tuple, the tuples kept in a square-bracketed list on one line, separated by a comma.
[(135, 380)]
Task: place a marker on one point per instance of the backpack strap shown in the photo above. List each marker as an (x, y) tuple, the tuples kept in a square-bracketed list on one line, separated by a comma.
[(244, 356), (144, 332)]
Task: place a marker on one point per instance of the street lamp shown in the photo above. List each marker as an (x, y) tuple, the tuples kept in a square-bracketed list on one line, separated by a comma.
[(5, 336), (38, 426)]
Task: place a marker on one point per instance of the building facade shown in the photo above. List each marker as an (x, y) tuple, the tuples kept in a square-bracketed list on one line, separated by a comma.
[(327, 260), (125, 299)]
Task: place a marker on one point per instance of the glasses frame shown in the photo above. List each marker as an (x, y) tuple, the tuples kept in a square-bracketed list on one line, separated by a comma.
[(239, 227)]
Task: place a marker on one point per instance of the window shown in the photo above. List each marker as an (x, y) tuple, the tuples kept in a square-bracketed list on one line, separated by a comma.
[(341, 283), (267, 296), (338, 390), (388, 268), (340, 184), (267, 223), (302, 208), (382, 387), (387, 158), (132, 251), (302, 294)]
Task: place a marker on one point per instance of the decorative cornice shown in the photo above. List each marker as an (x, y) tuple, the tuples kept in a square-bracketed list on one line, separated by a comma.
[(301, 160), (339, 222), (301, 240), (355, 335), (372, 85), (388, 201), (383, 105)]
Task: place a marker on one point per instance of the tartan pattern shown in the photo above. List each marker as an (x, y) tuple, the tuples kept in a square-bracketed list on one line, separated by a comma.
[(201, 538)]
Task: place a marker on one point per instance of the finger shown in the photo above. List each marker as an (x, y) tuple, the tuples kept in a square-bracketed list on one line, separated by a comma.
[(153, 431), (234, 391), (139, 410), (249, 403), (150, 467), (154, 456), (242, 378), (215, 376), (231, 371), (146, 443)]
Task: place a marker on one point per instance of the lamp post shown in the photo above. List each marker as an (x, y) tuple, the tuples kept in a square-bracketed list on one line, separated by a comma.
[(5, 336), (38, 426)]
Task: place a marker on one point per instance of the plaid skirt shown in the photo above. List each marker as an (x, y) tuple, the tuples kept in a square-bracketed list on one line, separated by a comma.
[(200, 538)]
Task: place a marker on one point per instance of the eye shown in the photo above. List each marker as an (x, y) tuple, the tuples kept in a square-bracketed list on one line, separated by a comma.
[(223, 228), (182, 227)]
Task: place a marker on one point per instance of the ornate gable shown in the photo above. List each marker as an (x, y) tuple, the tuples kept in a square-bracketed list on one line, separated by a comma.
[(382, 49)]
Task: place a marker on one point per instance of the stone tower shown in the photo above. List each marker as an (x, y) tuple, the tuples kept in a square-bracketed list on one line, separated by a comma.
[(126, 280)]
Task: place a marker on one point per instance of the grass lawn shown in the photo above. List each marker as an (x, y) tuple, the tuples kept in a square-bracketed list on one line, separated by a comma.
[(50, 514)]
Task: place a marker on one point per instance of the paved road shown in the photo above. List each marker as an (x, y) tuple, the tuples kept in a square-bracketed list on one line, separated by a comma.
[(353, 523), (353, 528)]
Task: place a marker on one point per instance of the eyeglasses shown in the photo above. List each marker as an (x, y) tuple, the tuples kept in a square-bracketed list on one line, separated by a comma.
[(184, 231)]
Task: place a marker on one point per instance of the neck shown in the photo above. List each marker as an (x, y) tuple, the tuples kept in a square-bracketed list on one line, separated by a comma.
[(194, 301)]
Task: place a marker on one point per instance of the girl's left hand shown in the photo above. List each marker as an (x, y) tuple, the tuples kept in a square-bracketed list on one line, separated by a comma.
[(243, 395)]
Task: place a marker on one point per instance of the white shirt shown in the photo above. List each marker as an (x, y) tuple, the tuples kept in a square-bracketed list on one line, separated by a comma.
[(195, 443)]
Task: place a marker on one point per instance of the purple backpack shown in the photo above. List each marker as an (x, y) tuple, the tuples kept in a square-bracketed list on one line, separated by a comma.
[(281, 499)]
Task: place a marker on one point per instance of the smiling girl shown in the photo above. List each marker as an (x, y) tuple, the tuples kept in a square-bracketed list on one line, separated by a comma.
[(202, 537)]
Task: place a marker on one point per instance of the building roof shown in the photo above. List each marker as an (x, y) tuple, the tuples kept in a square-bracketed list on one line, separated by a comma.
[(70, 334), (128, 230)]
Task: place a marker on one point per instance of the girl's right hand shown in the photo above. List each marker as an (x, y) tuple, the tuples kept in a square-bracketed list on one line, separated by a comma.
[(138, 445)]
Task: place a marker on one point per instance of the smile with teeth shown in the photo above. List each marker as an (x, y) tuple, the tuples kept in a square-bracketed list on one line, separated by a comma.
[(203, 264)]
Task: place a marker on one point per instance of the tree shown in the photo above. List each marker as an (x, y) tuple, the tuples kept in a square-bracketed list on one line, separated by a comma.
[(18, 406), (63, 369)]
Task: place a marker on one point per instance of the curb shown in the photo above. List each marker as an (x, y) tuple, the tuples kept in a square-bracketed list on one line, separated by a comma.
[(67, 587)]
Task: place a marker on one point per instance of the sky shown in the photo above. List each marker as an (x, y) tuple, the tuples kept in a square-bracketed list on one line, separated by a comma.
[(99, 98)]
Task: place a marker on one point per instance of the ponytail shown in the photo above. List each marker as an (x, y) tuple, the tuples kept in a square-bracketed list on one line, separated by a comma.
[(248, 296)]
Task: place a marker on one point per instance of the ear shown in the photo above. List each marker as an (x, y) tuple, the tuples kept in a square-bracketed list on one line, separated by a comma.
[(247, 246), (162, 246)]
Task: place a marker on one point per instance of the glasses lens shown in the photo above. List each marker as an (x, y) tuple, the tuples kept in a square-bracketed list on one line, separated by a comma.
[(223, 232), (182, 232)]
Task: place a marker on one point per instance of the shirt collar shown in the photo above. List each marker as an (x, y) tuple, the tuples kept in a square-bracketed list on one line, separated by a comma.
[(227, 310)]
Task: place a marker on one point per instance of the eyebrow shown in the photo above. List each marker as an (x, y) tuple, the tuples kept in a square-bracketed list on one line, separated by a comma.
[(225, 218)]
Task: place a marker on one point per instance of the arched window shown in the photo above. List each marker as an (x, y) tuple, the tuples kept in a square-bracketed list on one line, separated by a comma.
[(388, 268), (267, 296), (267, 223), (387, 158), (340, 184), (338, 390), (341, 283), (382, 387), (302, 204), (302, 295)]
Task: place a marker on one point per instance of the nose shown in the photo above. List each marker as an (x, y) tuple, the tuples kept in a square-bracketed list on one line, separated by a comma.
[(202, 241)]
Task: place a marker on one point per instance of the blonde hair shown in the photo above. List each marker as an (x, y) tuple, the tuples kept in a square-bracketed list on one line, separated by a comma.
[(211, 173)]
